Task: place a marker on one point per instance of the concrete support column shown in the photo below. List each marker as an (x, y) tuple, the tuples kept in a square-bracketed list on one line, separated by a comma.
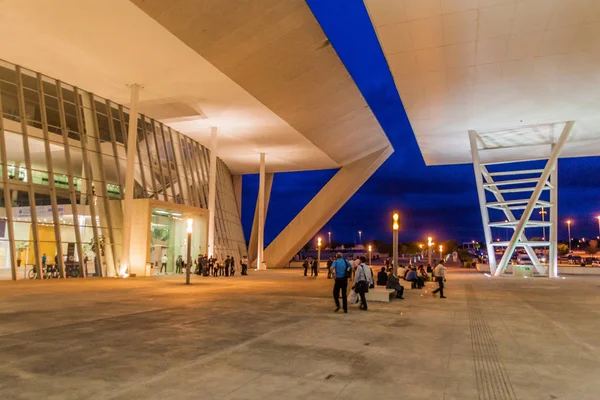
[(253, 244), (261, 215), (212, 190), (129, 179)]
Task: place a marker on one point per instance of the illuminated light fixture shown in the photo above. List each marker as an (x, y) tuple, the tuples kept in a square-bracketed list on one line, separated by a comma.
[(161, 212), (189, 225), (319, 242), (370, 248), (176, 214)]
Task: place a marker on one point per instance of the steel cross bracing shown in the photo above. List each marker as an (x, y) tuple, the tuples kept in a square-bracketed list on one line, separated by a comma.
[(524, 188)]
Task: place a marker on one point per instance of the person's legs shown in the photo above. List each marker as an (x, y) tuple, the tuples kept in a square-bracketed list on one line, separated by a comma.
[(438, 289), (363, 301), (344, 286), (336, 293), (441, 283), (399, 292)]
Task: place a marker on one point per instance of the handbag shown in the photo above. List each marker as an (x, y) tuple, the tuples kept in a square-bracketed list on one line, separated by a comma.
[(362, 286)]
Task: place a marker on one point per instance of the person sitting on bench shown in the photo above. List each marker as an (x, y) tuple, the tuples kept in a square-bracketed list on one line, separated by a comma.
[(394, 283), (382, 277), (412, 277)]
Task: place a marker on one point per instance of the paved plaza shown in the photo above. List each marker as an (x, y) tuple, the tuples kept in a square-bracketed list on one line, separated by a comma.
[(274, 335)]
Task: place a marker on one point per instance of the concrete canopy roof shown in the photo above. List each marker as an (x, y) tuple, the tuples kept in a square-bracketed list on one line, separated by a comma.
[(274, 88), (496, 67)]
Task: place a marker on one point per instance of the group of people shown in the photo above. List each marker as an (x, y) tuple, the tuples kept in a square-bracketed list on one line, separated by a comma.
[(361, 275), (207, 266), (313, 264)]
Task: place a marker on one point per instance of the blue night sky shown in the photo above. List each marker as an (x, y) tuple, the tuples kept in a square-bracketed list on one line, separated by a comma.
[(438, 201)]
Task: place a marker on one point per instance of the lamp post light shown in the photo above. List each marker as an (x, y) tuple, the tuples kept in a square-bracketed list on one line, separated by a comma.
[(189, 251), (543, 213), (569, 229), (329, 243), (429, 244), (359, 237), (395, 227), (318, 255), (441, 254), (370, 253), (421, 250), (598, 226)]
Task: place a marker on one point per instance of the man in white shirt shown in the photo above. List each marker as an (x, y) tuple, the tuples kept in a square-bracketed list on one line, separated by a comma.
[(362, 280), (439, 274), (163, 263)]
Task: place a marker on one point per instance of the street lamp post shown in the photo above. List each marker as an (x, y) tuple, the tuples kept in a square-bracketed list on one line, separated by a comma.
[(429, 244), (441, 254), (543, 213), (359, 237), (318, 255), (189, 251), (370, 253), (329, 243), (569, 229), (395, 227), (421, 250), (598, 226)]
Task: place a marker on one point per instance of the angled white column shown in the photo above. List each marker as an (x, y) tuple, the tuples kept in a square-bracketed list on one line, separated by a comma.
[(129, 179), (541, 184), (261, 214), (212, 190), (323, 206), (485, 219), (253, 244), (553, 252)]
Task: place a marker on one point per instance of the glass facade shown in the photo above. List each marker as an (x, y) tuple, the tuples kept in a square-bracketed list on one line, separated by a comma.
[(62, 165)]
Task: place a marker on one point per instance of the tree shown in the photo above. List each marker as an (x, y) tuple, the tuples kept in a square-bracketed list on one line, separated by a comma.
[(450, 246), (592, 247), (306, 247), (403, 249), (563, 249), (333, 245)]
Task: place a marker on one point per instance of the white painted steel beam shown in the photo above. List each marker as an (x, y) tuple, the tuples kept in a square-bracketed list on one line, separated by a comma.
[(485, 218), (550, 165), (511, 218), (553, 251)]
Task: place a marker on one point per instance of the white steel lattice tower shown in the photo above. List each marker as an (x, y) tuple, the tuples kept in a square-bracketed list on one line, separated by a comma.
[(515, 191)]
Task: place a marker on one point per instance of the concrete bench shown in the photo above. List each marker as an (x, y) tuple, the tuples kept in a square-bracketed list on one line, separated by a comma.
[(380, 294)]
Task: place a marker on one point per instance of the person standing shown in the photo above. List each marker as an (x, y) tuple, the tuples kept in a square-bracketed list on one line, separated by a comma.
[(245, 265), (439, 274), (227, 265), (232, 266), (341, 270), (179, 264), (316, 267), (363, 278), (44, 261), (305, 265), (329, 268), (163, 263)]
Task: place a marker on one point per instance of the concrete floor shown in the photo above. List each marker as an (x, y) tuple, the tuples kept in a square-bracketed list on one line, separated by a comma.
[(273, 335)]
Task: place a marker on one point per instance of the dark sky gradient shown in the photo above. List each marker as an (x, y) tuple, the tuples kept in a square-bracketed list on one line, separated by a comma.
[(437, 201)]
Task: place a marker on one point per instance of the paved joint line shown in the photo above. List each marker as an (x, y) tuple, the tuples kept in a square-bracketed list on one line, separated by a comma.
[(492, 379)]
